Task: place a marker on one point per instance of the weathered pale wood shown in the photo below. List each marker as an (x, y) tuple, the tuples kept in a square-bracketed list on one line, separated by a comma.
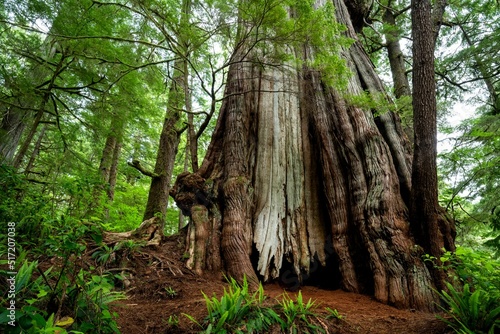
[(149, 231)]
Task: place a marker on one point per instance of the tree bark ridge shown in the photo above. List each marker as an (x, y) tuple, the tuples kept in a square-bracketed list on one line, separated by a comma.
[(296, 168)]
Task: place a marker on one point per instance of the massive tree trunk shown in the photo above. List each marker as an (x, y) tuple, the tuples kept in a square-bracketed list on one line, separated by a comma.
[(301, 185)]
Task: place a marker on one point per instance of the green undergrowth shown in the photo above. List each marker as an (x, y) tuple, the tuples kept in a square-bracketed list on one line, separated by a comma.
[(241, 311), (60, 299), (472, 299), (55, 290)]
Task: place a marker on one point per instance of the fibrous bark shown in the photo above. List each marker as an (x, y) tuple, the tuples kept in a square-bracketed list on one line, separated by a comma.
[(301, 182)]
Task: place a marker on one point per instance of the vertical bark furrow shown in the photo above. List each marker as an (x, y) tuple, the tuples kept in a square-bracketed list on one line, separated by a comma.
[(389, 124), (235, 242), (345, 121), (269, 183), (199, 216), (393, 134), (297, 241), (382, 207), (334, 179), (278, 224), (313, 215)]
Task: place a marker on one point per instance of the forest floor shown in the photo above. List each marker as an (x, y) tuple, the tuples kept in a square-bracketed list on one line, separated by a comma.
[(161, 286)]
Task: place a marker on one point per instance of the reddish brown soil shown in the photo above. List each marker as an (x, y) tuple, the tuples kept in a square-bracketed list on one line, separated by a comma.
[(161, 287)]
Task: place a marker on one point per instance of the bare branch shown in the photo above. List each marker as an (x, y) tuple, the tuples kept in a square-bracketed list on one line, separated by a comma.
[(137, 165)]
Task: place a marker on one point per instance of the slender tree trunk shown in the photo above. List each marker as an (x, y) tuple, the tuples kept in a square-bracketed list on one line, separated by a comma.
[(107, 158), (192, 138), (39, 115), (167, 149), (424, 199), (113, 172), (29, 137), (178, 98), (396, 57), (36, 150), (11, 130), (108, 167), (401, 89)]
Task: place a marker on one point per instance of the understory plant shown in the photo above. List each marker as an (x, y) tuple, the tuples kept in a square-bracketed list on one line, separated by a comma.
[(472, 312), (299, 315), (472, 302), (240, 311), (56, 300)]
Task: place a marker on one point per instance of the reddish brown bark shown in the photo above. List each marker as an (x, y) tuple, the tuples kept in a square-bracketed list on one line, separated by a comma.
[(303, 183), (430, 229)]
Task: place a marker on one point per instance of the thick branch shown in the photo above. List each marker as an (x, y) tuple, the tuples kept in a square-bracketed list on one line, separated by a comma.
[(137, 165)]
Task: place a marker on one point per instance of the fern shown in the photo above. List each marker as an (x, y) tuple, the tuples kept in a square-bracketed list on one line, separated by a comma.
[(472, 312)]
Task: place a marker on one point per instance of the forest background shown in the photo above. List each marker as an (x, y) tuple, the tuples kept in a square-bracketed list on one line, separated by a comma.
[(90, 95)]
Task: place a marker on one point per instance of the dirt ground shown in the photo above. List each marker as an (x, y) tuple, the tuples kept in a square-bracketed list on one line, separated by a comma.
[(159, 286)]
